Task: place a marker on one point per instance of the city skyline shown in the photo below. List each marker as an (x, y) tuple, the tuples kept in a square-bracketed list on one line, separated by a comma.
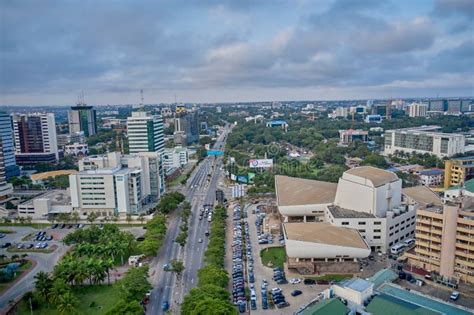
[(233, 51)]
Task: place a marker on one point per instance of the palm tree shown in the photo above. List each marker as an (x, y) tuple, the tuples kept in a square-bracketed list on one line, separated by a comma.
[(67, 303), (57, 290), (107, 264), (75, 217), (43, 284)]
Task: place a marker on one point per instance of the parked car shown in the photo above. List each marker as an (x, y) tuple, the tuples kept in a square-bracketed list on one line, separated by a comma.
[(309, 281), (454, 296), (296, 293), (165, 306)]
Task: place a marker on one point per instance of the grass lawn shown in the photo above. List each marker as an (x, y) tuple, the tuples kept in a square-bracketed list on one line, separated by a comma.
[(39, 226), (273, 256), (177, 180), (47, 250), (92, 300), (6, 231), (330, 277)]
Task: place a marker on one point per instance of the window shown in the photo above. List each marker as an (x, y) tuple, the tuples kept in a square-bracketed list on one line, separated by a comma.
[(377, 223), (362, 231), (396, 225), (377, 231), (390, 234), (391, 228), (361, 223), (377, 237), (345, 223)]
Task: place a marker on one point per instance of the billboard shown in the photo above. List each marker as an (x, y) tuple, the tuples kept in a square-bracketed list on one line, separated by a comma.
[(242, 179), (265, 163), (215, 152)]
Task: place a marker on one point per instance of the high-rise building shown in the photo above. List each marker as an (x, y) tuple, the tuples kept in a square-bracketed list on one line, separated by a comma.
[(444, 241), (145, 133), (35, 138), (186, 128), (417, 110), (8, 148), (423, 140), (82, 118), (5, 188)]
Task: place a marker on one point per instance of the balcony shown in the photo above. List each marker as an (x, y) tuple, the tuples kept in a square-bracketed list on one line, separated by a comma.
[(469, 255)]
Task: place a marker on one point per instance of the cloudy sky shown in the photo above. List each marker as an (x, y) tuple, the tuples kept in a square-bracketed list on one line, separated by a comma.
[(242, 50)]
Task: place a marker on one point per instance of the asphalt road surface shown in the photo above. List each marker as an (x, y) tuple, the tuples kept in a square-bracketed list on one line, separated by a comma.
[(200, 189)]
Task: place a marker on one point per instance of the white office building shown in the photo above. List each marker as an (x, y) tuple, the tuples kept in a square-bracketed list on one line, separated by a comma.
[(145, 133), (423, 140), (174, 158), (417, 110)]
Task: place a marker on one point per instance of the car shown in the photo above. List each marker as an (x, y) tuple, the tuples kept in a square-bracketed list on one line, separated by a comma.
[(6, 245), (165, 306), (49, 238), (2, 235), (454, 296), (54, 226), (371, 257), (295, 280), (167, 267), (282, 304), (200, 240), (296, 293), (207, 233), (62, 226), (30, 246), (309, 281)]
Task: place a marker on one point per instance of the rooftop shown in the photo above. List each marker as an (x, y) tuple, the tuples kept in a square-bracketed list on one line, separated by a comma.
[(468, 185), (46, 175), (434, 171), (293, 191), (340, 213), (324, 233), (356, 284), (377, 176), (388, 305), (423, 195), (332, 306), (57, 197)]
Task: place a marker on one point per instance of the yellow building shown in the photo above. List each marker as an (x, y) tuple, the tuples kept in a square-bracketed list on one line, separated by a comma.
[(457, 171), (445, 240)]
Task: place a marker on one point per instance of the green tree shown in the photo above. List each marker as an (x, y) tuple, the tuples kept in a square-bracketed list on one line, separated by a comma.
[(177, 267), (91, 217), (43, 285), (58, 289), (67, 303), (134, 285), (126, 308), (212, 274), (199, 294)]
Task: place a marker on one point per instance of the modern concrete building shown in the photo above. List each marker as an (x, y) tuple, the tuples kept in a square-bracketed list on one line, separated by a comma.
[(174, 158), (316, 246), (349, 136), (355, 291), (453, 192), (431, 178), (64, 139), (8, 148), (368, 199), (5, 188), (423, 140), (145, 133), (186, 127), (50, 203), (457, 171), (417, 110), (77, 149), (82, 118), (444, 241), (35, 138)]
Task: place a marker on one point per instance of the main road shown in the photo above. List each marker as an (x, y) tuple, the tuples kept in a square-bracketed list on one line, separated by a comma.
[(200, 190)]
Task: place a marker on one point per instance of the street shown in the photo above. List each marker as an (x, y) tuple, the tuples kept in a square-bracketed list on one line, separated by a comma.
[(199, 190)]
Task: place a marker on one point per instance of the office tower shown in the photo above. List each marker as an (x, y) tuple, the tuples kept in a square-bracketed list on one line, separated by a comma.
[(145, 133), (82, 118), (8, 149), (186, 128), (5, 188), (423, 140), (35, 138), (444, 237), (417, 110)]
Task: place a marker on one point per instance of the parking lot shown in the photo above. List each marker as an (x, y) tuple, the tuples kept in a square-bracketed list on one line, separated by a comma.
[(265, 274)]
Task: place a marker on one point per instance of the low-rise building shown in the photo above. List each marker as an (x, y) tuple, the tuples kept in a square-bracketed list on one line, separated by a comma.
[(52, 202), (453, 192), (373, 119), (77, 149), (423, 140), (349, 136), (176, 157), (316, 246), (355, 291), (431, 178)]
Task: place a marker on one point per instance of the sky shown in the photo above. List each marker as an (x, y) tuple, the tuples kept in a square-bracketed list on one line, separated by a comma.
[(233, 51)]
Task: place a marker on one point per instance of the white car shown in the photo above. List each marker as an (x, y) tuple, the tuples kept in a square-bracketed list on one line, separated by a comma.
[(295, 280), (454, 296)]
